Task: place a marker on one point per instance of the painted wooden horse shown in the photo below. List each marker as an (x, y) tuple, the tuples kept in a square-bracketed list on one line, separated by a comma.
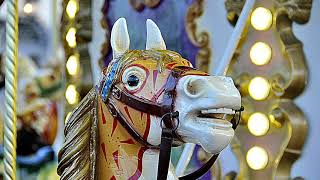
[(37, 116), (116, 131)]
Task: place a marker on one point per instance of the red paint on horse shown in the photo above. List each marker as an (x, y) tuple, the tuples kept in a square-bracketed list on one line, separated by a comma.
[(115, 157), (129, 141), (128, 113), (103, 117), (157, 94), (171, 65)]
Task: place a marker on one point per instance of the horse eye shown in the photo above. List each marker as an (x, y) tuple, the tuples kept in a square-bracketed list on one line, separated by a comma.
[(133, 80)]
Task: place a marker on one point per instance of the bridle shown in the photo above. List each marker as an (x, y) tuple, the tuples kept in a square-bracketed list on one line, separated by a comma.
[(169, 121)]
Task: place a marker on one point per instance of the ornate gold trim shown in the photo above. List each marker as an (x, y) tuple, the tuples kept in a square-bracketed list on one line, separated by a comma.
[(288, 112), (200, 40), (234, 8), (283, 110), (139, 5), (293, 49)]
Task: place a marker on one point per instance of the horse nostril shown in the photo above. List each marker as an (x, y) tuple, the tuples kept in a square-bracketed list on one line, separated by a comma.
[(194, 87)]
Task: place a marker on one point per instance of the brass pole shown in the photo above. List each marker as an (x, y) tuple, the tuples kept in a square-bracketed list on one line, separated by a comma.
[(11, 69)]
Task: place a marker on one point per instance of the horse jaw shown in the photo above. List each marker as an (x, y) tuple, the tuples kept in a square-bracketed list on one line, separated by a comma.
[(198, 93)]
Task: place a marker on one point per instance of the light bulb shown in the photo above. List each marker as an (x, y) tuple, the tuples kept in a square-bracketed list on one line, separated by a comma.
[(259, 88), (258, 124), (261, 18), (260, 53), (28, 8), (72, 8), (72, 95), (73, 65), (257, 158), (71, 37)]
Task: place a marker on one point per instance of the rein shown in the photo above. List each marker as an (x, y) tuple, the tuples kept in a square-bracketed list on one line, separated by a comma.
[(169, 121)]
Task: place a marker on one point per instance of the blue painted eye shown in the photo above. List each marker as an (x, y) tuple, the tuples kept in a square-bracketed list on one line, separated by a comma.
[(133, 80)]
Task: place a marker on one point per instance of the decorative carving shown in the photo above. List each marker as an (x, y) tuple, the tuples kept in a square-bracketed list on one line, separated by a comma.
[(288, 112), (288, 124), (139, 5), (293, 49), (234, 8), (288, 11), (297, 10), (201, 40)]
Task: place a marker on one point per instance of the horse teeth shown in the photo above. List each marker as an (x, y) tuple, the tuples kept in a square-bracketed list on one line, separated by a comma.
[(220, 110)]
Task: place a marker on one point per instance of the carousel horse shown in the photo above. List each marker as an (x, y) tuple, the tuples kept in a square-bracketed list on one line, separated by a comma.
[(145, 101), (37, 115)]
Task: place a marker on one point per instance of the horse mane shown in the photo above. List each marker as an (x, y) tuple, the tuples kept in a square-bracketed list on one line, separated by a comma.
[(77, 157)]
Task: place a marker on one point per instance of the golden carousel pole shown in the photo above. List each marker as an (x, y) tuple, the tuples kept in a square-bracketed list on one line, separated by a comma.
[(11, 68)]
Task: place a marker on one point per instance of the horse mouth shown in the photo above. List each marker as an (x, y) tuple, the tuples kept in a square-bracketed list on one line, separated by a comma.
[(219, 118)]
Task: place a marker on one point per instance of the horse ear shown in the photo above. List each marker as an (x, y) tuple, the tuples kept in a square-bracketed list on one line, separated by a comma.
[(120, 40), (154, 37)]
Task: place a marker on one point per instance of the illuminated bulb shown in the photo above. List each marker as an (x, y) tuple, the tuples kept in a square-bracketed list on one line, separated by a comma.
[(71, 37), (260, 53), (28, 8), (261, 18), (258, 124), (72, 95), (73, 65), (259, 88), (257, 158), (72, 8)]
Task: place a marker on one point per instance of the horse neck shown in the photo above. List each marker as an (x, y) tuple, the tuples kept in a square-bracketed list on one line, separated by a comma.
[(120, 156)]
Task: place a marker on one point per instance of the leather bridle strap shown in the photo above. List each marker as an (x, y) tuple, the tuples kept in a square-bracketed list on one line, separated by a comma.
[(137, 103), (120, 117)]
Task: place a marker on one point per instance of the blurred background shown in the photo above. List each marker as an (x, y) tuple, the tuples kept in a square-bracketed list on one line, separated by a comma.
[(64, 44)]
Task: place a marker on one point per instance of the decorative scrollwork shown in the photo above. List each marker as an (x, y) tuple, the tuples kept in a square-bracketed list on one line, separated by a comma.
[(139, 5), (297, 10), (293, 48), (201, 40), (234, 8), (288, 122), (288, 112)]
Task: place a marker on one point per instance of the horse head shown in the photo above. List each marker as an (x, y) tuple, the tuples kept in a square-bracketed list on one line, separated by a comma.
[(137, 90), (203, 101)]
